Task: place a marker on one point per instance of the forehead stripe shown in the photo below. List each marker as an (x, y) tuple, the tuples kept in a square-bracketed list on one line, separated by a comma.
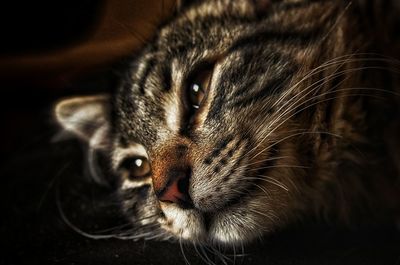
[(298, 38), (147, 70)]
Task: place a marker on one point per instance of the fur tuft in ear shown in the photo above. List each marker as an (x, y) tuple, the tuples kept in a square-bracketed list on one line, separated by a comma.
[(87, 117)]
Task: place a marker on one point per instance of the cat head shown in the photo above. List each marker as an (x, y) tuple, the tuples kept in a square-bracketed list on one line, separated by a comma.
[(217, 121)]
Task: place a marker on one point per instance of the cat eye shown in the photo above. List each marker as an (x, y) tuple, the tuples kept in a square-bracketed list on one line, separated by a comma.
[(137, 167), (198, 87)]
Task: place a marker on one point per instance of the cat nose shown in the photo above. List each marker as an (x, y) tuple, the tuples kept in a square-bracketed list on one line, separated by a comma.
[(176, 189)]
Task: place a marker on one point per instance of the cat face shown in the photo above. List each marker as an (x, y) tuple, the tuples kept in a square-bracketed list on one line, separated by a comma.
[(206, 132)]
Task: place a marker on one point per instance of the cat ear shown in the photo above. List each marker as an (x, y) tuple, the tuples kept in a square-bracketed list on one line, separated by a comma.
[(88, 117)]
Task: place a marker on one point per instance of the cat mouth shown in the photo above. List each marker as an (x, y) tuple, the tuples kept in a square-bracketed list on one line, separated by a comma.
[(225, 223)]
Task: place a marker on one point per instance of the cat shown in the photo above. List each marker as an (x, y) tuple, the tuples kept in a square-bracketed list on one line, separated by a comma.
[(240, 117)]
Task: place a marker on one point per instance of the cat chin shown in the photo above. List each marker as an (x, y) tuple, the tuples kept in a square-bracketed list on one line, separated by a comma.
[(239, 225), (233, 225), (230, 227), (183, 224)]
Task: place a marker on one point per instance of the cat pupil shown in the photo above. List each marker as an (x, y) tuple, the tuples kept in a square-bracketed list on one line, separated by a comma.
[(198, 87), (139, 162), (196, 95)]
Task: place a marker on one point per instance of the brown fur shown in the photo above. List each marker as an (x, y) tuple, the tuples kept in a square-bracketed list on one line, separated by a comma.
[(318, 141)]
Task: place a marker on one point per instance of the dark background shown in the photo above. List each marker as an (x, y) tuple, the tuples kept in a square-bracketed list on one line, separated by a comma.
[(51, 50)]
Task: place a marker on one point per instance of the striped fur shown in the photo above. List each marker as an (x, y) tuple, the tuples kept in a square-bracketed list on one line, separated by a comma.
[(291, 125)]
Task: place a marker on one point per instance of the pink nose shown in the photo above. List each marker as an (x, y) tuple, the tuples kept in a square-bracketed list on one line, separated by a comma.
[(177, 189)]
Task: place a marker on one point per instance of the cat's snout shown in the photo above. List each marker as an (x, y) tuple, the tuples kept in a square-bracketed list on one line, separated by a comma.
[(172, 173), (176, 188)]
